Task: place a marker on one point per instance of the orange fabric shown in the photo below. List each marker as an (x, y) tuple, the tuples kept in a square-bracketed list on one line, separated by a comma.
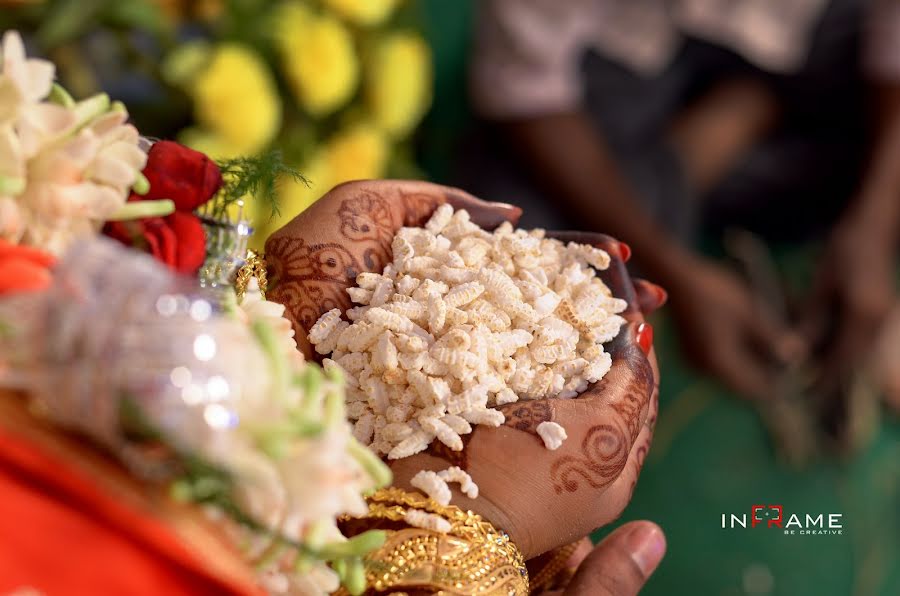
[(61, 535), (23, 268)]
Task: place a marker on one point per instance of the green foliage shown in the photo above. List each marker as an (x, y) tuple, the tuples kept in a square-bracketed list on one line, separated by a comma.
[(60, 22), (257, 177)]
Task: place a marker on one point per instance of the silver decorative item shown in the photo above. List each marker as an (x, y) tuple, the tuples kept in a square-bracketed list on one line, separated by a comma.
[(226, 244)]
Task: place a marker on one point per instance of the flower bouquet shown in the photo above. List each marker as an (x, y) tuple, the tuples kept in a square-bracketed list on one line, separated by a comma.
[(202, 390)]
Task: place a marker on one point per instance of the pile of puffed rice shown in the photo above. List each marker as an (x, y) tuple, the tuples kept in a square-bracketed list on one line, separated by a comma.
[(463, 320)]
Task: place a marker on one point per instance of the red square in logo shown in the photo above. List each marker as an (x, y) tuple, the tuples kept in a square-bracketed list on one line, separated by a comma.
[(772, 514)]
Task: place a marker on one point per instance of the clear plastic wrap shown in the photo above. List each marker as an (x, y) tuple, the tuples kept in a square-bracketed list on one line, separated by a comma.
[(120, 345)]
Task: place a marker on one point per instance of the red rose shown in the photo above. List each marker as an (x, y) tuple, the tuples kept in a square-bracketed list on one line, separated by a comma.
[(189, 179), (191, 241), (186, 176), (177, 240)]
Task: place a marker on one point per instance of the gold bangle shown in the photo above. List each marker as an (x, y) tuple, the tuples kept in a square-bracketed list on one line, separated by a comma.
[(554, 574), (473, 557), (254, 266)]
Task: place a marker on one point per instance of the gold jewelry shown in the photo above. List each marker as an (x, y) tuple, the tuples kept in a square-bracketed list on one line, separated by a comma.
[(555, 573), (254, 266), (473, 557)]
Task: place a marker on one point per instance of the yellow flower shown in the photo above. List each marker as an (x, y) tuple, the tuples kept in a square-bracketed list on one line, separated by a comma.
[(398, 89), (235, 98), (214, 145), (363, 12), (358, 152), (318, 57)]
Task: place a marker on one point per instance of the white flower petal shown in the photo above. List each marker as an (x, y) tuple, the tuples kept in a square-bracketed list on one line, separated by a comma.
[(106, 169), (128, 153), (126, 133), (96, 201), (12, 223), (82, 148), (13, 53), (10, 100), (38, 79), (33, 76), (108, 123), (12, 162), (42, 123)]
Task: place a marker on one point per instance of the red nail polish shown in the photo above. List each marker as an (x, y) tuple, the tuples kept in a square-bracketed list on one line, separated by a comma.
[(645, 337), (661, 295), (624, 251)]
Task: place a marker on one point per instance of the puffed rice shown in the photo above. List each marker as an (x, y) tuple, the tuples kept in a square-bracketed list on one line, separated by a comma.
[(433, 485), (427, 521), (464, 320), (324, 326), (466, 484), (552, 434)]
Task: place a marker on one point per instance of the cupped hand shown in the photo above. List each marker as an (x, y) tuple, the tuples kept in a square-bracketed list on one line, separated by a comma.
[(543, 499)]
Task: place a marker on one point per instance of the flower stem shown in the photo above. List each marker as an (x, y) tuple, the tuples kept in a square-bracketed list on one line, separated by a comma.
[(60, 96), (368, 461), (355, 577), (268, 341), (142, 209), (354, 547), (11, 185), (88, 109), (141, 185)]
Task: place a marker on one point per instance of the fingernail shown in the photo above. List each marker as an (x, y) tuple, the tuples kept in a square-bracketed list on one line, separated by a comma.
[(645, 337), (647, 545), (624, 251)]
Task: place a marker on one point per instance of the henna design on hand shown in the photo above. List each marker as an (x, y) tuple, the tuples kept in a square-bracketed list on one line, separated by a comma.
[(605, 450), (526, 416), (637, 391), (606, 446), (309, 279), (418, 207), (454, 458), (367, 217)]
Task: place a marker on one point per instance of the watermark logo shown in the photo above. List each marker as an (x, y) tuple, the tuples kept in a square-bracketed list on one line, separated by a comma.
[(771, 514), (791, 524)]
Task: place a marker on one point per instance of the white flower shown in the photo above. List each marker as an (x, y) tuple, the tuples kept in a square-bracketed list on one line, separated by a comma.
[(322, 479), (119, 156), (256, 308), (64, 169), (31, 77), (24, 84), (11, 220), (318, 581)]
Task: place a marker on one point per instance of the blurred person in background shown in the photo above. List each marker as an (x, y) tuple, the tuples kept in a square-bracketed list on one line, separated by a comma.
[(637, 117)]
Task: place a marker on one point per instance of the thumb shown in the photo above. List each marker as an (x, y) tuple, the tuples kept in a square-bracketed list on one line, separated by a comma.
[(622, 563)]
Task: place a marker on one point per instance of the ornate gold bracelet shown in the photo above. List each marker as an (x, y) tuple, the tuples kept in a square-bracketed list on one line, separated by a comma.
[(554, 575), (472, 558)]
